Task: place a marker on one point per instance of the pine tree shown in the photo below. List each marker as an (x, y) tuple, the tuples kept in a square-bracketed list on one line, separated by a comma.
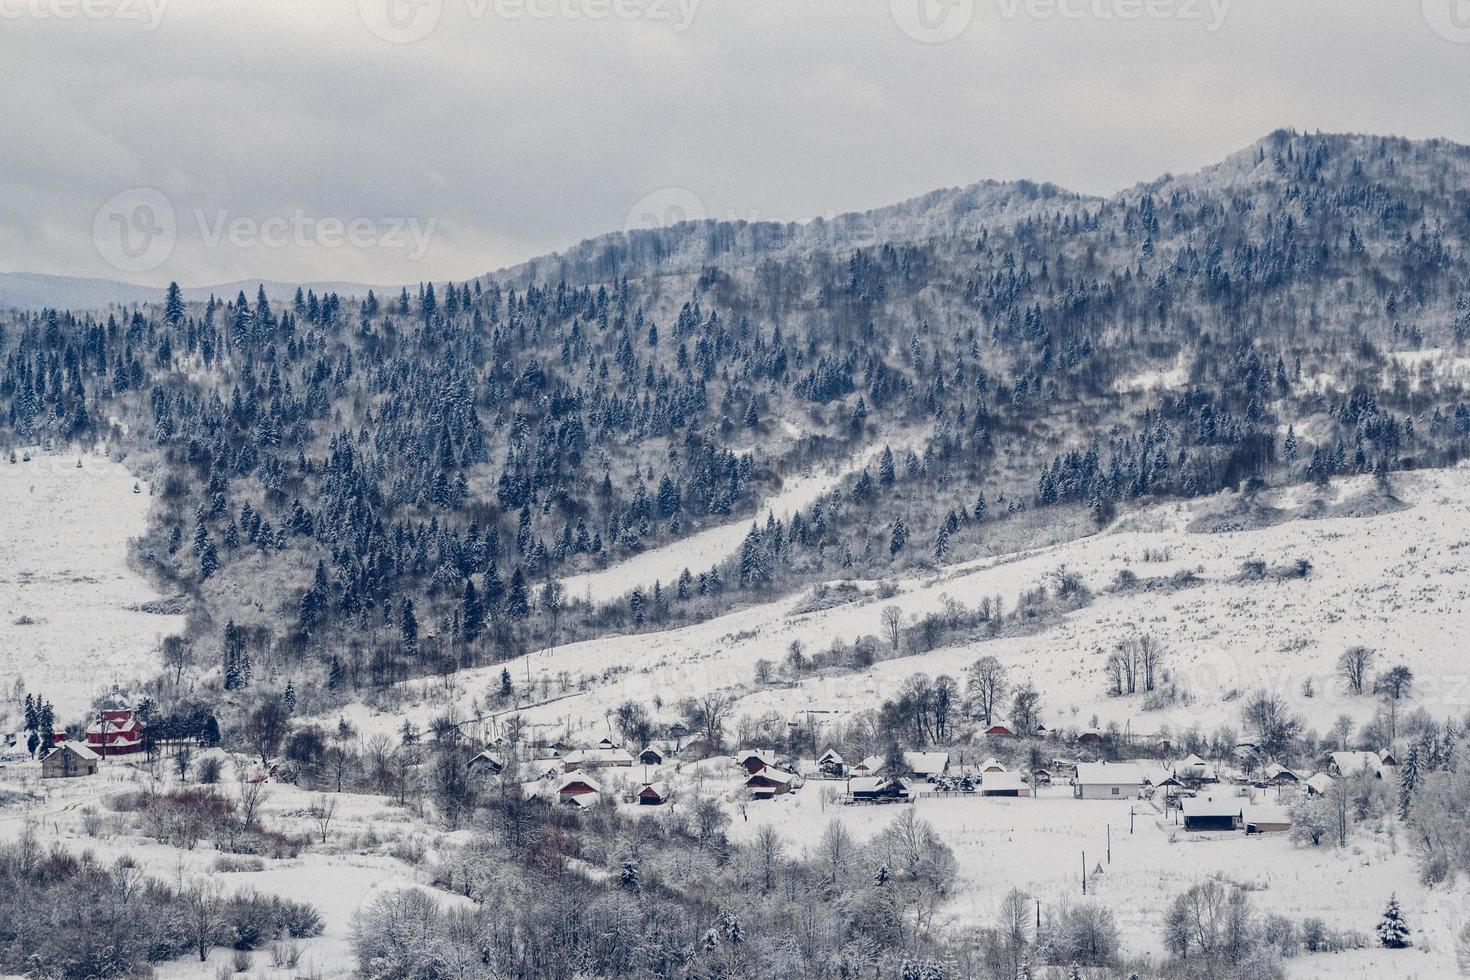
[(941, 545), (628, 877), (334, 674), (473, 622), (899, 538), (408, 625), (507, 690), (1408, 781), (288, 699), (1393, 931)]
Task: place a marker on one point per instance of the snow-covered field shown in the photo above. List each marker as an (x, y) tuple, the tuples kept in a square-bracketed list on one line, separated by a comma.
[(1395, 581), (69, 622), (1038, 845), (334, 880)]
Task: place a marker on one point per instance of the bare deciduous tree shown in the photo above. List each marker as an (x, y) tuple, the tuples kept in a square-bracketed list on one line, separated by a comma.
[(892, 625)]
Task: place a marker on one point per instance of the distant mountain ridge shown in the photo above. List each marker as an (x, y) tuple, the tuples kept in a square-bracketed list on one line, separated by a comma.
[(35, 291)]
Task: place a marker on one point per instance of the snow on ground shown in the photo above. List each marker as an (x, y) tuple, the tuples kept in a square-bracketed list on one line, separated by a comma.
[(1394, 581), (68, 619), (698, 552), (1157, 380), (1434, 363), (334, 879), (1037, 845)]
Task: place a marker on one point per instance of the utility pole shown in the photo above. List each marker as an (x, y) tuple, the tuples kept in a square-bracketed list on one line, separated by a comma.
[(1110, 843), (1084, 872), (1130, 821)]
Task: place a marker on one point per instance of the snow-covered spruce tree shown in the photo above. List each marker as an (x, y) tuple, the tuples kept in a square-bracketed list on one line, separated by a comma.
[(1393, 931)]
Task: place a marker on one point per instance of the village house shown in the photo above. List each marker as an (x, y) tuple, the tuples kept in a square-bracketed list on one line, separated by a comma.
[(870, 766), (653, 794), (1210, 813), (999, 731), (1354, 763), (1319, 784), (831, 765), (594, 758), (926, 765), (1003, 784), (992, 765), (1279, 775), (487, 763), (1265, 818), (770, 782), (878, 789), (756, 760), (67, 760), (578, 791), (1107, 781), (651, 756)]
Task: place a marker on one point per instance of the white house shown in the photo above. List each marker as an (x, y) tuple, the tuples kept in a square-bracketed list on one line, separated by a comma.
[(1107, 781)]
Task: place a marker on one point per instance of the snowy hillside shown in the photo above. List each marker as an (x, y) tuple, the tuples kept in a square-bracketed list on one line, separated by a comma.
[(72, 621), (1389, 575)]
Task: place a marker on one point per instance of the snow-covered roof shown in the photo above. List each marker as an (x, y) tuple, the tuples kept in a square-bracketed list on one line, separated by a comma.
[(599, 757), (1352, 763), (1109, 774), (774, 775), (1211, 806), (831, 755), (992, 763), (1001, 781), (926, 762), (872, 784), (576, 779), (872, 763), (1320, 783), (1267, 813), (77, 749), (659, 788)]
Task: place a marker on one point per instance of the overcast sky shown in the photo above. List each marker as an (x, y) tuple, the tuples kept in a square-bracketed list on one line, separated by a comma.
[(399, 140)]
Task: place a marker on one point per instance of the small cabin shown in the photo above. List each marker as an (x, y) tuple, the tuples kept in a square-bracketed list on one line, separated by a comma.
[(487, 764), (578, 791), (653, 794), (651, 756), (67, 760), (877, 789), (1208, 813), (769, 782)]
